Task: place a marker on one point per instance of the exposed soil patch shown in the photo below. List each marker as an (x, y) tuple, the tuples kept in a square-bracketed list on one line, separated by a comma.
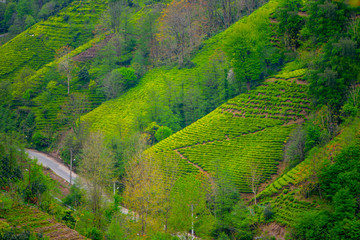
[(301, 82), (91, 52), (274, 230), (303, 14), (273, 20), (63, 185), (297, 121), (271, 79), (4, 35)]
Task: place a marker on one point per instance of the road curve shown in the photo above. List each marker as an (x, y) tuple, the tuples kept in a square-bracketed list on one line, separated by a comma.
[(47, 161), (58, 168)]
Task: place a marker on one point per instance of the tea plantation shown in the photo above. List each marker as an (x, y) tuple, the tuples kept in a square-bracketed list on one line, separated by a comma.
[(249, 131), (37, 45)]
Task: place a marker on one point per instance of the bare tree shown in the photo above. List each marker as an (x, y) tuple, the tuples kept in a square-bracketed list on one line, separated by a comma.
[(354, 94), (254, 178), (97, 170), (354, 26), (180, 29), (66, 64)]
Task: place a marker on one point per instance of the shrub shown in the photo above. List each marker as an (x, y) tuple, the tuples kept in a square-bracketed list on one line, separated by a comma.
[(268, 212), (162, 133), (5, 202), (95, 234), (40, 141)]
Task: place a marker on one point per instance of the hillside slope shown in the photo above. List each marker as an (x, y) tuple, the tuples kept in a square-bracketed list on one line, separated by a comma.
[(37, 45), (29, 218), (287, 193), (153, 95), (244, 135)]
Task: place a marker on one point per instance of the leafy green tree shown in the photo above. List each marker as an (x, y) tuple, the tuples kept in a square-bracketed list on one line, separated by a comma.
[(189, 210), (97, 170), (344, 173), (326, 19), (10, 158), (290, 23), (312, 225), (245, 49), (76, 197), (345, 204), (120, 80), (162, 133)]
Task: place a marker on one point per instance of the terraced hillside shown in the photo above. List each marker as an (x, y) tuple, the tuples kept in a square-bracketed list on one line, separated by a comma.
[(286, 194), (37, 45), (245, 134), (125, 112), (28, 218), (48, 113)]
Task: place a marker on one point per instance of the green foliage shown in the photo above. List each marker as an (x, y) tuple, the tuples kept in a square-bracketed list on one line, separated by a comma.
[(40, 141), (247, 48), (345, 204), (163, 236), (10, 158), (268, 212), (188, 201), (76, 197), (6, 202), (162, 133), (294, 151), (117, 229), (326, 19), (344, 173), (120, 80), (313, 225), (290, 22), (36, 46), (95, 234)]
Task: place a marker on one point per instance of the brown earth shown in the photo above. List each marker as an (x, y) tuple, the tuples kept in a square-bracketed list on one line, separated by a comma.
[(273, 230), (63, 185), (92, 52)]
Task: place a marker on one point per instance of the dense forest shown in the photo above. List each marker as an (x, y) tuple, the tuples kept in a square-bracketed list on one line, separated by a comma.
[(183, 119)]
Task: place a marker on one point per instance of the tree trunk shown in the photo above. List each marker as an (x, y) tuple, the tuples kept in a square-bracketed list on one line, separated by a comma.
[(248, 85)]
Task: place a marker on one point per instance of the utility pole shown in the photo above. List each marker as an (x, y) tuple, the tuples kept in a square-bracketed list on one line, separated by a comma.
[(70, 164), (114, 187), (192, 221)]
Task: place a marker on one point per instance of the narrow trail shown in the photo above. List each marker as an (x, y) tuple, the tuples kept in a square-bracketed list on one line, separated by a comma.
[(198, 167), (3, 35), (226, 138)]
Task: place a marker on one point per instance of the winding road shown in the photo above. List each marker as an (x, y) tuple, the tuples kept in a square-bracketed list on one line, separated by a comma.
[(47, 161), (59, 169)]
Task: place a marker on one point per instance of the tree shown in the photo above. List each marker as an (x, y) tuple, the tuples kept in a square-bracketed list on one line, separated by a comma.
[(180, 29), (224, 198), (65, 64), (97, 170), (244, 49), (116, 7), (162, 133), (254, 178), (189, 206), (290, 23), (120, 80), (141, 187)]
